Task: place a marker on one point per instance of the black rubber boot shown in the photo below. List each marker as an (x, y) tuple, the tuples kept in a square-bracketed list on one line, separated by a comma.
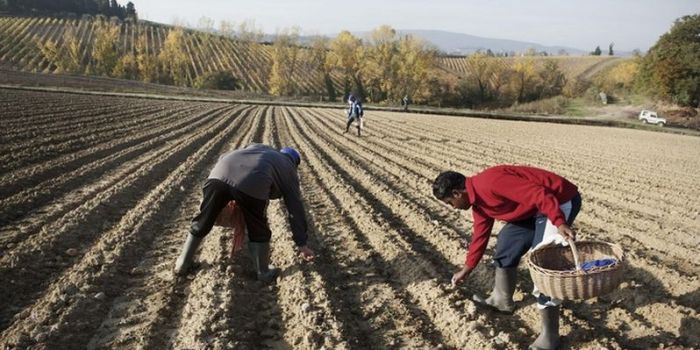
[(347, 127), (184, 262), (501, 297), (549, 338), (260, 254)]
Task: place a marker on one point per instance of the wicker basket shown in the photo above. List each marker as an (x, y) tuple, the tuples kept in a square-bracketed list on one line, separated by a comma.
[(556, 270)]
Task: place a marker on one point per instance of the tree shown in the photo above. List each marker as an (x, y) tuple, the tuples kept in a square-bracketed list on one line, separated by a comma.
[(551, 80), (105, 48), (610, 49), (381, 64), (524, 72), (173, 59), (671, 68), (481, 70), (417, 62), (597, 51), (318, 60), (285, 54), (346, 55), (218, 81), (131, 11), (146, 63), (66, 57)]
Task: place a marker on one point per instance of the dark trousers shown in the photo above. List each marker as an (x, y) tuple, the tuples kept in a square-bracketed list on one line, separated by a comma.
[(217, 194), (516, 238)]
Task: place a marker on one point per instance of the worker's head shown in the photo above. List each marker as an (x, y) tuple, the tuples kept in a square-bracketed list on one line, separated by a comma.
[(292, 154), (449, 187), (352, 99)]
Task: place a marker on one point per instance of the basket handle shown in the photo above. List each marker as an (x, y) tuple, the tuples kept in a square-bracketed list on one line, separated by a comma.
[(575, 251)]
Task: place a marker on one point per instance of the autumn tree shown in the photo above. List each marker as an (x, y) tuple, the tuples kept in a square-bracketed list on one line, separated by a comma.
[(523, 74), (105, 48), (66, 57), (173, 58), (285, 56), (417, 62), (346, 55), (551, 80), (146, 62), (318, 56), (381, 58)]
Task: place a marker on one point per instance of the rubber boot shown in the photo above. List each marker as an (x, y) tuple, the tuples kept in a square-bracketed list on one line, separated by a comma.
[(184, 262), (359, 131), (549, 338), (501, 297), (260, 253), (347, 126)]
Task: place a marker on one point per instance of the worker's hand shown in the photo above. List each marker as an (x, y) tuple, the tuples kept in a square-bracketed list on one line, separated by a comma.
[(460, 276), (306, 253), (566, 231)]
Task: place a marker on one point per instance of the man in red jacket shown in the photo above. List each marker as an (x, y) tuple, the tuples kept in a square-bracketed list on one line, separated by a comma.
[(538, 207)]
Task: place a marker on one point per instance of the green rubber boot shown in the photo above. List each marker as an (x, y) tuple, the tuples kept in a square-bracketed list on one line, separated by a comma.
[(549, 338), (260, 254), (501, 297), (184, 262)]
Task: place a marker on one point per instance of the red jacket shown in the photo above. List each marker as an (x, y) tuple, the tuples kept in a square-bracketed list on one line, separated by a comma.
[(513, 193)]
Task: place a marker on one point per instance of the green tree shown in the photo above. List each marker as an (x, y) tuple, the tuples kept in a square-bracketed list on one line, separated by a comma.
[(671, 68), (597, 51), (610, 49)]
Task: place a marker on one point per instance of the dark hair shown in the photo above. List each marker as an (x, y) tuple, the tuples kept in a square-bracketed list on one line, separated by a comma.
[(446, 182)]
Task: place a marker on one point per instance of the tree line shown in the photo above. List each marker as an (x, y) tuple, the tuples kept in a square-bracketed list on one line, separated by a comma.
[(384, 67), (109, 8)]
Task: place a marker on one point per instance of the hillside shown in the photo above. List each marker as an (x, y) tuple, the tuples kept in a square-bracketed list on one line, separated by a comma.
[(22, 37)]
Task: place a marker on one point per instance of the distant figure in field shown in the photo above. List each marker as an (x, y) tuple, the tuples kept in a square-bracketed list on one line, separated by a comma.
[(251, 177), (538, 207), (404, 102), (355, 112)]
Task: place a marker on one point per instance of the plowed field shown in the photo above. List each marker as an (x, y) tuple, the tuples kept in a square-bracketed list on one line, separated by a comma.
[(96, 195)]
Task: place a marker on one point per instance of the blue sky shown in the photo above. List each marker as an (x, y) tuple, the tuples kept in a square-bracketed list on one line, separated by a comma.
[(630, 24)]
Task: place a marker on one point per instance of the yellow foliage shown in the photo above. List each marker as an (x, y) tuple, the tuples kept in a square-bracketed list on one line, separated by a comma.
[(173, 58), (106, 47)]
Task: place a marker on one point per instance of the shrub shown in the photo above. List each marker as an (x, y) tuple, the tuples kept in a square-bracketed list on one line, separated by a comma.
[(217, 81)]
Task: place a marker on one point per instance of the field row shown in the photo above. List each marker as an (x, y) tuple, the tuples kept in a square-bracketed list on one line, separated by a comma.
[(90, 232)]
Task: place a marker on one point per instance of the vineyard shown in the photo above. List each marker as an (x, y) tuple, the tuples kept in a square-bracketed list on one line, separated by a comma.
[(96, 194), (21, 39), (572, 67)]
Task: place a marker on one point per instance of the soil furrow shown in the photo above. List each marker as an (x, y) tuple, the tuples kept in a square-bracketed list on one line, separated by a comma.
[(32, 265), (127, 239), (40, 187)]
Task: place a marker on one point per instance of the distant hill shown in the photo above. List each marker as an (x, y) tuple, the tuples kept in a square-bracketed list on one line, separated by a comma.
[(462, 44)]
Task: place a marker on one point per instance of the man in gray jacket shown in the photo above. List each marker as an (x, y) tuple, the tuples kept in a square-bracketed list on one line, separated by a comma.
[(251, 176)]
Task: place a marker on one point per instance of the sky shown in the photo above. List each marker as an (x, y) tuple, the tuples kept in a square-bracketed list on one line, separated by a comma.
[(630, 24)]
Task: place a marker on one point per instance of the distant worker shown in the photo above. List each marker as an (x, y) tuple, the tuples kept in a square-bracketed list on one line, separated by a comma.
[(355, 112), (404, 102), (538, 207), (251, 177)]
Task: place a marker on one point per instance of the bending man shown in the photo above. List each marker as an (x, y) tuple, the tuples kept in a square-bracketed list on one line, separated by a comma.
[(251, 176), (538, 207)]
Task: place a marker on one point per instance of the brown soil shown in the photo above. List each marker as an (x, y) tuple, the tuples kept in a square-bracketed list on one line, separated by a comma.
[(96, 194)]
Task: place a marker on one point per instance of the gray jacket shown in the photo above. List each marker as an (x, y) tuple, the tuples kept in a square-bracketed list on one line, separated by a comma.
[(262, 172)]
